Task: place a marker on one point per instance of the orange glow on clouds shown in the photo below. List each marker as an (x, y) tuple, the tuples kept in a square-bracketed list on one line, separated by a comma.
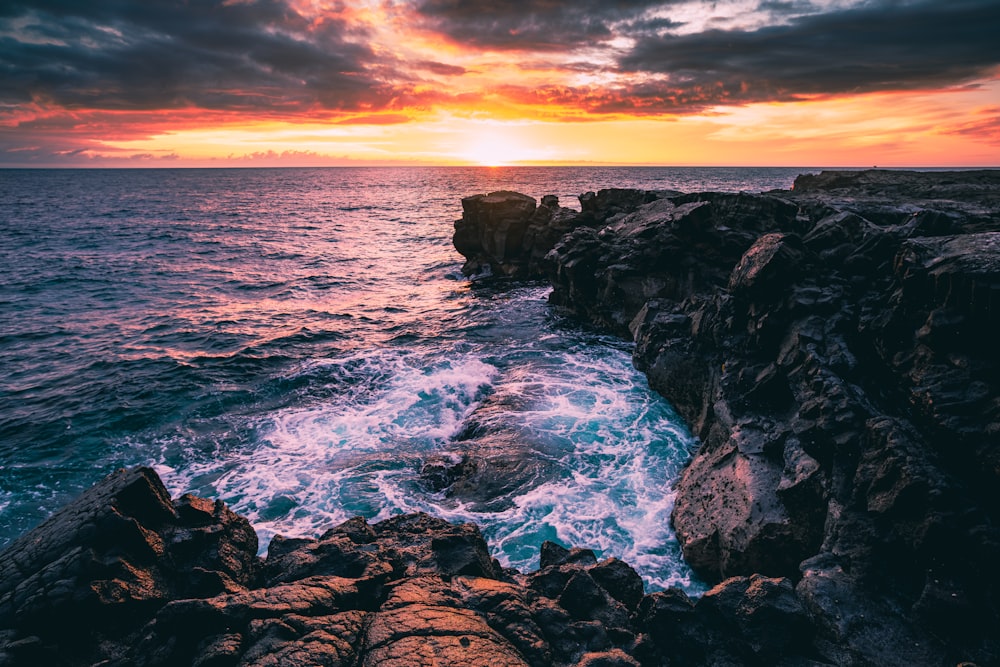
[(387, 82)]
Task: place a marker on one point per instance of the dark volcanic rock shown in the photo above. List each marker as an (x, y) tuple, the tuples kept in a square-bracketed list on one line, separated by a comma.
[(830, 347), (931, 203), (669, 248), (503, 233), (485, 479), (100, 566)]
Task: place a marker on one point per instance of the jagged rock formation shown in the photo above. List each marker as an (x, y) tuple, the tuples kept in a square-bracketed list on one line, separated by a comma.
[(503, 234), (125, 576), (830, 347)]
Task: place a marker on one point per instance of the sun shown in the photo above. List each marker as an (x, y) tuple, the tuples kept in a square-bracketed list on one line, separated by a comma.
[(494, 149)]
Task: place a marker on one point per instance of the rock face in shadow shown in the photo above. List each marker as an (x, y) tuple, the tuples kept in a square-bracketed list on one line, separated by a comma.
[(504, 234), (101, 565), (125, 576), (830, 347)]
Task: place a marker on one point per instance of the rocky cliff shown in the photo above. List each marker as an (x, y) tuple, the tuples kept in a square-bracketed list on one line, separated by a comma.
[(504, 234), (831, 346)]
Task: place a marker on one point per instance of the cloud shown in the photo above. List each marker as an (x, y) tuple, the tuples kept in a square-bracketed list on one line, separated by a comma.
[(597, 102), (879, 46), (441, 69), (86, 80), (162, 54), (528, 25), (983, 126)]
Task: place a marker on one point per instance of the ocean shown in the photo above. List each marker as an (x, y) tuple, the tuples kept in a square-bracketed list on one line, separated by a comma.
[(301, 343)]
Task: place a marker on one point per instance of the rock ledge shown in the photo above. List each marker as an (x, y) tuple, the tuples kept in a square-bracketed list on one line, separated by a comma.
[(125, 576)]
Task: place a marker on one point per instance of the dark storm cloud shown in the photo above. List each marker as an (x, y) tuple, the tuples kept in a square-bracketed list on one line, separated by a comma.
[(210, 54), (650, 26), (880, 46), (643, 99), (786, 7), (528, 25)]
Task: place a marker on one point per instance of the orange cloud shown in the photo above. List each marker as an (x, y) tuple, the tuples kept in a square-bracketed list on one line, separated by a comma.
[(410, 80)]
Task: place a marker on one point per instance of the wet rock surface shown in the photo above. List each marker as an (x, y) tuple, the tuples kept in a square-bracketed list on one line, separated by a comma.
[(115, 579), (830, 347)]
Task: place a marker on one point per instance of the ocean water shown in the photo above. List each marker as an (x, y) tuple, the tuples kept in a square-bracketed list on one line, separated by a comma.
[(301, 343)]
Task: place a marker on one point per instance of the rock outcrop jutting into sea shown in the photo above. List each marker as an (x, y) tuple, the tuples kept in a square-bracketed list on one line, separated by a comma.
[(831, 346)]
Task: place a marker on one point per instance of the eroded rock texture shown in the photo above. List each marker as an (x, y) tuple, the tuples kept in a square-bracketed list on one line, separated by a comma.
[(504, 234), (124, 576), (831, 346)]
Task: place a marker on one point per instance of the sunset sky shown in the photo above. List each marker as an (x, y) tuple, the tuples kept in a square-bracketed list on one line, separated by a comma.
[(386, 82)]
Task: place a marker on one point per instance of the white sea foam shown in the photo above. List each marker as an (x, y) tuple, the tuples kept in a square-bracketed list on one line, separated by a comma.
[(610, 446), (618, 446), (313, 467)]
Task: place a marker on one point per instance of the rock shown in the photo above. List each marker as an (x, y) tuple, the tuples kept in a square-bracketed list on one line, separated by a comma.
[(425, 544), (968, 198), (856, 628), (114, 557), (409, 588), (419, 627), (486, 478), (613, 658), (336, 553), (140, 579), (491, 230), (504, 234), (604, 206), (619, 580), (552, 554), (729, 515), (512, 611), (830, 347), (773, 259), (670, 248), (764, 613)]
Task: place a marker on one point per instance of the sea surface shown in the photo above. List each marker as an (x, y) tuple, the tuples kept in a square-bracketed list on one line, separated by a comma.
[(301, 343)]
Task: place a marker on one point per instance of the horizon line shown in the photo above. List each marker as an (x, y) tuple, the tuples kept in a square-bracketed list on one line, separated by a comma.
[(593, 165)]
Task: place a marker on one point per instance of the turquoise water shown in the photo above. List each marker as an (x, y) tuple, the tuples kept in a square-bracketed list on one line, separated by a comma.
[(301, 343)]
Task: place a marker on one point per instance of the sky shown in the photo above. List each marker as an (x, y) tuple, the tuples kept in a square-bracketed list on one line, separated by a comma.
[(154, 83)]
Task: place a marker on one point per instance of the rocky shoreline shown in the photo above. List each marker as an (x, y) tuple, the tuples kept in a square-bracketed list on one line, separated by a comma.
[(126, 576), (831, 346)]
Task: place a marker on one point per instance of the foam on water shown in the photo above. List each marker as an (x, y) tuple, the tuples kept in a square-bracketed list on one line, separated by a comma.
[(610, 448), (617, 447), (312, 467)]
